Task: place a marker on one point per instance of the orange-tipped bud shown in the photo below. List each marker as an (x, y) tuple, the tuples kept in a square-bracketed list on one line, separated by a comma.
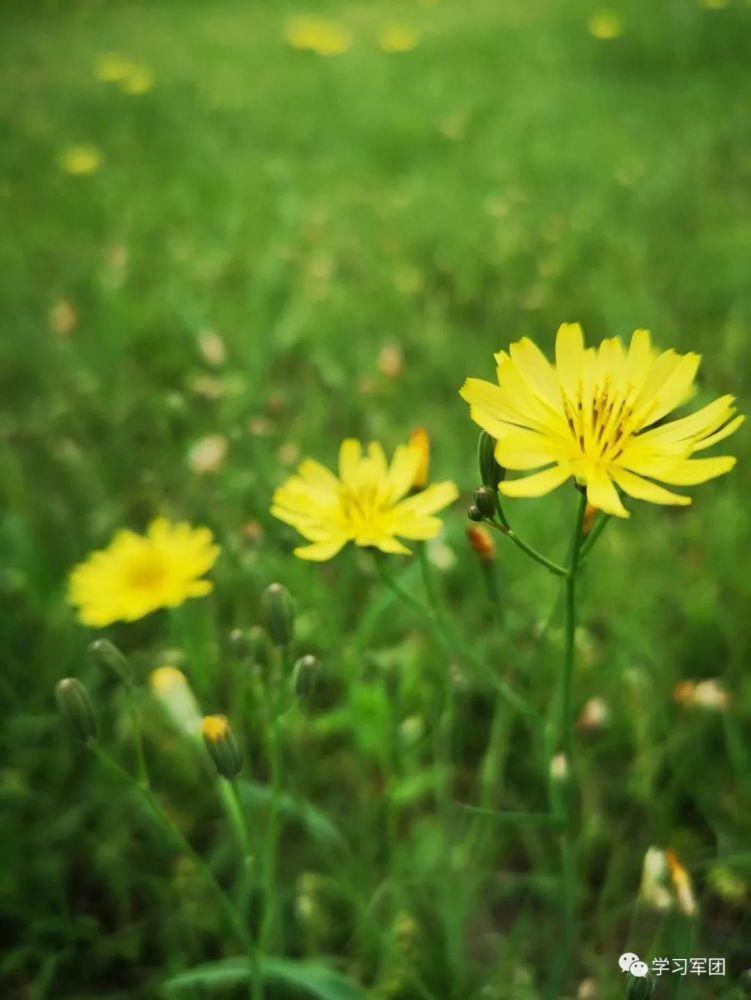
[(419, 439), (222, 746), (481, 542), (707, 694), (590, 514), (682, 886)]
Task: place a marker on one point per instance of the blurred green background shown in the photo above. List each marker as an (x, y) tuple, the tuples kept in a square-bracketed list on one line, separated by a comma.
[(274, 249)]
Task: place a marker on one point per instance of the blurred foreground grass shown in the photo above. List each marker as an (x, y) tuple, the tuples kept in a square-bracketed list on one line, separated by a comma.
[(362, 231)]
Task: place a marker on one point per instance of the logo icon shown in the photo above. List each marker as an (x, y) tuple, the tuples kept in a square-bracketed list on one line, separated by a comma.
[(627, 959)]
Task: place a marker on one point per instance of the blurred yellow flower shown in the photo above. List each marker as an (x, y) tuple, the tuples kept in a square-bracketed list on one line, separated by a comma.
[(325, 38), (596, 415), (397, 38), (80, 160), (365, 504), (605, 25), (138, 574), (131, 77), (111, 68), (139, 81), (419, 439)]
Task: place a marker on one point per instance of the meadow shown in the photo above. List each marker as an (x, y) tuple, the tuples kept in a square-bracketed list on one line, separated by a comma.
[(227, 257)]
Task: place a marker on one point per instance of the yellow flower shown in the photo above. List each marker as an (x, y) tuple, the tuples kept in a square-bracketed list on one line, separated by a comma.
[(420, 440), (325, 38), (397, 38), (80, 160), (596, 416), (139, 574), (605, 26), (138, 81), (111, 68), (365, 504)]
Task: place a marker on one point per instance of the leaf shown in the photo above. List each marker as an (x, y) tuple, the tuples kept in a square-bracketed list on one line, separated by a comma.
[(306, 979)]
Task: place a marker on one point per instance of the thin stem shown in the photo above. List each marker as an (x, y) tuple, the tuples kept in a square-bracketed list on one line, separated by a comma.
[(180, 842), (589, 543), (143, 774), (240, 824), (508, 532), (268, 921), (562, 801)]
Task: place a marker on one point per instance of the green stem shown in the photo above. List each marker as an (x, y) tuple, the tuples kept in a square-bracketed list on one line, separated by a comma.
[(562, 801), (179, 841), (268, 920), (143, 774), (505, 528), (589, 543)]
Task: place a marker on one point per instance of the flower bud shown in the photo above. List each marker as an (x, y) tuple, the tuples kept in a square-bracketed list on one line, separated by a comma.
[(475, 514), (171, 688), (106, 654), (481, 542), (640, 987), (222, 745), (485, 501), (306, 673), (491, 473), (279, 614), (75, 704), (419, 439)]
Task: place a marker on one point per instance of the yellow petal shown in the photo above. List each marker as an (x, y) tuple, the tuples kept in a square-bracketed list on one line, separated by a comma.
[(487, 399), (603, 495), (726, 431), (521, 449), (644, 489), (569, 351), (669, 383), (536, 485), (429, 501), (392, 546), (403, 471), (320, 551), (318, 476), (690, 472), (536, 371), (350, 454)]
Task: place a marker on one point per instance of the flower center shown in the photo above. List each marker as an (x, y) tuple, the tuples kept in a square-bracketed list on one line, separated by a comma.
[(603, 423), (145, 572)]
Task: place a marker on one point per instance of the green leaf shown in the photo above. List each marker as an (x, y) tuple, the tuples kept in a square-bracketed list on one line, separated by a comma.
[(305, 979)]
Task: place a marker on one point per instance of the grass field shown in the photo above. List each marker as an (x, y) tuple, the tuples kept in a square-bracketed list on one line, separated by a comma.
[(280, 249)]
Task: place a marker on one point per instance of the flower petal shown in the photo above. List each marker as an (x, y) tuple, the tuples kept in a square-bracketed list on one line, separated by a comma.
[(644, 489), (536, 485), (321, 551), (603, 495)]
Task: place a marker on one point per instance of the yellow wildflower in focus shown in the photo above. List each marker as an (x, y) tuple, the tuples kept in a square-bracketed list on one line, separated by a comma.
[(325, 38), (419, 439), (397, 38), (171, 687), (366, 503), (139, 574), (79, 161), (605, 25), (595, 416)]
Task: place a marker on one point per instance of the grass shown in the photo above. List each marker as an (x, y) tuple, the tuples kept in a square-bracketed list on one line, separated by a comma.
[(510, 173)]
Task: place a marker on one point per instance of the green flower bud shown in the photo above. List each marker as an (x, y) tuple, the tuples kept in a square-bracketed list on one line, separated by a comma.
[(475, 514), (306, 673), (279, 614), (106, 654), (491, 473), (485, 501), (640, 988), (75, 704), (222, 745)]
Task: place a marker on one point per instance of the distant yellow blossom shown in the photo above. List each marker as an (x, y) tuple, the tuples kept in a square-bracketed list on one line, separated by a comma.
[(397, 38), (139, 81), (597, 416), (138, 574), (80, 160), (172, 689), (366, 504), (605, 25), (131, 77), (419, 439), (325, 38)]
